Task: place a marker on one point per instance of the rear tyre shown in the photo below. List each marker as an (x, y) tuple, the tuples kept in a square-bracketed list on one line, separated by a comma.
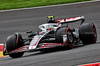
[(65, 31), (13, 42), (87, 33)]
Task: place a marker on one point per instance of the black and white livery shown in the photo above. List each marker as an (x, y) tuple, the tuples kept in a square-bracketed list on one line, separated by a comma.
[(52, 34)]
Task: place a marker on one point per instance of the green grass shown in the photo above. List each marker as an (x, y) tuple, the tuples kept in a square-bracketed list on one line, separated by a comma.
[(14, 4)]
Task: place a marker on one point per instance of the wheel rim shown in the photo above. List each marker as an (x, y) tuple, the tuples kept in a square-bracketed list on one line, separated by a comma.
[(70, 37)]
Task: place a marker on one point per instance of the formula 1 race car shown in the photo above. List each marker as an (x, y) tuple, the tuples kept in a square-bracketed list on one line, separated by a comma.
[(52, 34)]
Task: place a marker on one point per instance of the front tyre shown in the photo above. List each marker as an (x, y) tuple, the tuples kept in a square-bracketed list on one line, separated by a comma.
[(13, 42)]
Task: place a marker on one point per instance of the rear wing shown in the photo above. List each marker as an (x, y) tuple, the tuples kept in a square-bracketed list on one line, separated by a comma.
[(70, 20)]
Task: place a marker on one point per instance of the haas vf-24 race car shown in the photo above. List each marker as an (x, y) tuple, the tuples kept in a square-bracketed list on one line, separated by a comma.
[(52, 34)]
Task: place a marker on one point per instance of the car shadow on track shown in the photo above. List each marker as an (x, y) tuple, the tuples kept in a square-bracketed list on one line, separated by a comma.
[(58, 49), (61, 49)]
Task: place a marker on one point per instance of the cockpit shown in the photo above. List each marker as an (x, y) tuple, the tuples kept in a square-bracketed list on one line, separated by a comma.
[(48, 26)]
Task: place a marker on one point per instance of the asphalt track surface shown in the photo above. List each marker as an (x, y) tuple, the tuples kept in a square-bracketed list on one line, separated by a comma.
[(25, 20)]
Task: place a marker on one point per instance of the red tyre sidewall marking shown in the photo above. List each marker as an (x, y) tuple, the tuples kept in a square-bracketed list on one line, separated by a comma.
[(16, 41), (70, 45), (67, 37), (93, 34)]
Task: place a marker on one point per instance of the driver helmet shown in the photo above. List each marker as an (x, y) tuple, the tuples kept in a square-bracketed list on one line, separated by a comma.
[(51, 19)]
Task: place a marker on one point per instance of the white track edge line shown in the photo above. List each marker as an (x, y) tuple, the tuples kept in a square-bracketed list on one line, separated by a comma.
[(48, 6)]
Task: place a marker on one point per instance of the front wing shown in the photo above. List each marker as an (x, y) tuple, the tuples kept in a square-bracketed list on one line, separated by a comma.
[(26, 48)]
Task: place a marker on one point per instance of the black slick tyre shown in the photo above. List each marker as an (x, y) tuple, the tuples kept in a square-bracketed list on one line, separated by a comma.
[(88, 33), (13, 42), (65, 31)]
